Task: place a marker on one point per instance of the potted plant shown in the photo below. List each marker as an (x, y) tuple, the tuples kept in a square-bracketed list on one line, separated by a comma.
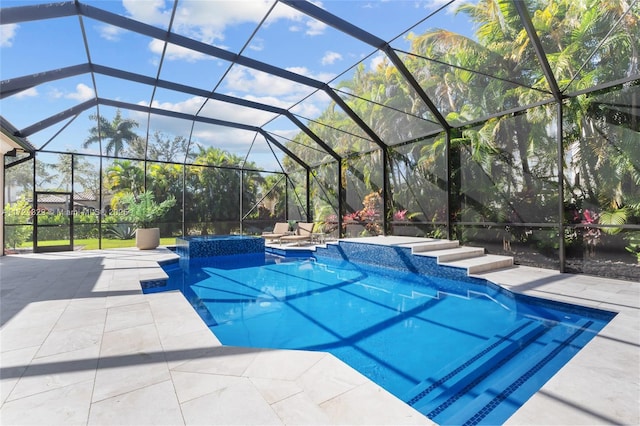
[(142, 210)]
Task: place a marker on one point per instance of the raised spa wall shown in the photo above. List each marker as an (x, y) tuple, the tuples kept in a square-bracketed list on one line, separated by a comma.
[(217, 245)]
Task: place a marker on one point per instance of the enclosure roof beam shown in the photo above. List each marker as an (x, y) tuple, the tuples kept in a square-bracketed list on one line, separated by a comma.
[(19, 84), (175, 114), (348, 28), (200, 119), (191, 44), (313, 136), (15, 85), (70, 8), (15, 15), (50, 121), (57, 10), (521, 7), (284, 149), (77, 109), (356, 118), (210, 50)]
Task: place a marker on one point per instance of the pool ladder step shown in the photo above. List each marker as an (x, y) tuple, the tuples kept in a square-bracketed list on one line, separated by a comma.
[(439, 390)]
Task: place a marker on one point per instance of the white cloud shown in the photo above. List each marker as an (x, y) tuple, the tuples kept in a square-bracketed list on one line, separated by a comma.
[(315, 27), (268, 89), (285, 133), (82, 93), (377, 60), (109, 32), (308, 109), (56, 93), (235, 113), (257, 44), (226, 138), (267, 100), (175, 52), (212, 109), (230, 139), (257, 83), (29, 93), (190, 106), (330, 58), (154, 12), (208, 21), (7, 34), (201, 20), (322, 76), (436, 4)]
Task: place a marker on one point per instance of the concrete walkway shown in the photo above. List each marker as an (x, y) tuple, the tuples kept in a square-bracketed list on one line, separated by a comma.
[(80, 344)]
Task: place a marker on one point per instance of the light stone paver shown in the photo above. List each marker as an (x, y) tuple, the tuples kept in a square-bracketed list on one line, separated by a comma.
[(160, 404), (601, 384), (80, 344), (54, 372)]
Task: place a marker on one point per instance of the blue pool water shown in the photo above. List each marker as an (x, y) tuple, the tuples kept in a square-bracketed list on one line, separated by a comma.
[(459, 352)]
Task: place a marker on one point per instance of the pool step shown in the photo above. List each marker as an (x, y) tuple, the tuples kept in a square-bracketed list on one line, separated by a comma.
[(433, 245), (439, 388), (446, 252), (451, 254), (479, 401), (487, 262), (473, 259), (543, 363)]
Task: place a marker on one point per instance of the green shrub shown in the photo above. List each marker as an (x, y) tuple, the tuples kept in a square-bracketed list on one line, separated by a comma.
[(17, 216)]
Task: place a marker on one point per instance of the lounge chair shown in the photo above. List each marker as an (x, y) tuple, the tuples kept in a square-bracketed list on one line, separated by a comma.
[(280, 229), (304, 231)]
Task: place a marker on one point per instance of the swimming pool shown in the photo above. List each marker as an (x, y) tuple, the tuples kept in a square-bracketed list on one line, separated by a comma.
[(461, 351)]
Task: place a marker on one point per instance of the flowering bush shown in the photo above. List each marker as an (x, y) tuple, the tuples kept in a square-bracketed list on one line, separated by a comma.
[(368, 216), (591, 235)]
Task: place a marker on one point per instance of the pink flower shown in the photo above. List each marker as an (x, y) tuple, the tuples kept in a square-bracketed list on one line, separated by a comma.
[(400, 215), (351, 216), (589, 217)]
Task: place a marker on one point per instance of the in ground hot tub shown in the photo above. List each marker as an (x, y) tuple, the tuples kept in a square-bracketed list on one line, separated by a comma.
[(200, 246)]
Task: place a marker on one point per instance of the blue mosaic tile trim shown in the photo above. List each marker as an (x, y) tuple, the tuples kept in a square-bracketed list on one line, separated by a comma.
[(477, 418), (168, 261), (283, 252), (153, 284), (566, 308), (218, 245), (464, 366), (393, 257), (450, 401)]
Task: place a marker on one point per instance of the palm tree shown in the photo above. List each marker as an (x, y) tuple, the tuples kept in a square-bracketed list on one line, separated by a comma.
[(123, 177), (214, 181), (117, 133)]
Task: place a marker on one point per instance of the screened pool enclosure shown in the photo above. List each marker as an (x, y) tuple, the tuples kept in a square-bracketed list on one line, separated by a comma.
[(510, 125)]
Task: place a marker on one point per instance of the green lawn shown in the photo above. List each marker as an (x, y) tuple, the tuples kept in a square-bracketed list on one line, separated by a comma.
[(92, 243)]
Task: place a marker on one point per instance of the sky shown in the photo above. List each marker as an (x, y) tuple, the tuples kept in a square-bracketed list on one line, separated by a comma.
[(285, 38)]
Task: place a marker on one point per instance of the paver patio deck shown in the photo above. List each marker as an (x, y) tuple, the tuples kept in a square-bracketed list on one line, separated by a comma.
[(81, 344)]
